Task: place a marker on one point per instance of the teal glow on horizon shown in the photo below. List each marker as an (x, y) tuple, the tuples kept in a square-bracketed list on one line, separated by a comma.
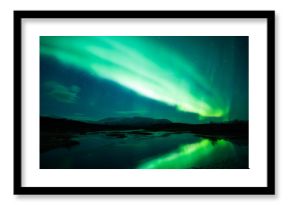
[(144, 66)]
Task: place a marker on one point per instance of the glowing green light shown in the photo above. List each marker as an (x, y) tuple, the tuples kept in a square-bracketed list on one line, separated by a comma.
[(192, 155), (142, 65)]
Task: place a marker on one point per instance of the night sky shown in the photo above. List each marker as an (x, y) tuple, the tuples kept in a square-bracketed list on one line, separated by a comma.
[(190, 79)]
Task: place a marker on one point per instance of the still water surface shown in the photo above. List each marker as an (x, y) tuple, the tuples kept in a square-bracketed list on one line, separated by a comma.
[(158, 150)]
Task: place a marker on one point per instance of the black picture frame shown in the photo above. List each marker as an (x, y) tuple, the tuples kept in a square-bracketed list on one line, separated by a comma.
[(270, 18)]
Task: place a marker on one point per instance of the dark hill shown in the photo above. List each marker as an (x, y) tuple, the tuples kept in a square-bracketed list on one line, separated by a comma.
[(133, 121), (49, 124), (57, 125)]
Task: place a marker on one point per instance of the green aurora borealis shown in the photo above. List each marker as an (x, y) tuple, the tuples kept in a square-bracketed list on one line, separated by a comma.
[(206, 77)]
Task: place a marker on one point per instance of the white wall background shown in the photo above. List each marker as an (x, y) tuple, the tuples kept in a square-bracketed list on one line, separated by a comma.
[(282, 98)]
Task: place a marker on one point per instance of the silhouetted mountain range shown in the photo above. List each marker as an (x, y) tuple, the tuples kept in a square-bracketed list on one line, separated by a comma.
[(133, 121), (233, 128)]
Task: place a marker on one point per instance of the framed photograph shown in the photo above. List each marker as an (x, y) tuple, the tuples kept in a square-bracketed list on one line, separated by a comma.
[(144, 102)]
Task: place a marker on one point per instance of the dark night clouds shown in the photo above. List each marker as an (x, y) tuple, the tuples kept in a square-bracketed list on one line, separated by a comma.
[(62, 93)]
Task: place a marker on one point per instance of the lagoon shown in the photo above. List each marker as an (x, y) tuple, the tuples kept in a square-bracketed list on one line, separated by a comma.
[(139, 149)]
